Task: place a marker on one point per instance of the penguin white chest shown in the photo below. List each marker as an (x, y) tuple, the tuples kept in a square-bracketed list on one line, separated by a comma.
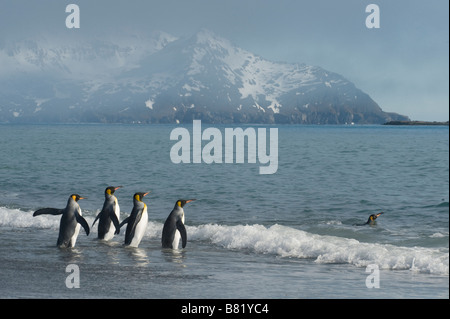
[(177, 236), (141, 227), (73, 240)]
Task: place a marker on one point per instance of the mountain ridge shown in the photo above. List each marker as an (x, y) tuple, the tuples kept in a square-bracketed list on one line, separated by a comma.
[(164, 79)]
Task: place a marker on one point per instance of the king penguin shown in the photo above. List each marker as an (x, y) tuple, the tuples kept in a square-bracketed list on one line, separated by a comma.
[(71, 219), (110, 214), (371, 220), (137, 221), (174, 226)]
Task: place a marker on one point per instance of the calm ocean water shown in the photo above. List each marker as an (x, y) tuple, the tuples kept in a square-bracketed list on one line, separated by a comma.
[(286, 235)]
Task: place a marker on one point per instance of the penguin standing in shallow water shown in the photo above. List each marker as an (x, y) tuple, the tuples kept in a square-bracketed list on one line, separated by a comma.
[(109, 215), (174, 226), (71, 219), (137, 221)]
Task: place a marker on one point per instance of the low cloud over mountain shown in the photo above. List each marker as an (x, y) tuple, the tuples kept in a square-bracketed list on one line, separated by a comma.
[(159, 78)]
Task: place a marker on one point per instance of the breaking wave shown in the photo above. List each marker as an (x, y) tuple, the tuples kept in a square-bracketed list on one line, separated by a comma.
[(288, 242), (281, 241)]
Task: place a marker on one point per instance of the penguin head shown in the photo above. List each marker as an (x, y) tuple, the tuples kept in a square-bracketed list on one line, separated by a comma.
[(76, 197), (139, 196), (111, 189), (373, 217), (182, 202)]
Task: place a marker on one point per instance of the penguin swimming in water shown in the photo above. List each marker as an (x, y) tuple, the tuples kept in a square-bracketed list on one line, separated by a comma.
[(137, 221), (71, 219), (174, 226), (371, 220), (109, 215)]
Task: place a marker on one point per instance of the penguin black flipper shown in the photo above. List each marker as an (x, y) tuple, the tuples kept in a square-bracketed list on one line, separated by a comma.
[(115, 222), (131, 228), (103, 227), (182, 230), (125, 221), (80, 219), (48, 211), (98, 216)]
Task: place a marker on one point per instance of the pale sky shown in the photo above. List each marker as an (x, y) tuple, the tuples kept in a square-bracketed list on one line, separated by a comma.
[(403, 65)]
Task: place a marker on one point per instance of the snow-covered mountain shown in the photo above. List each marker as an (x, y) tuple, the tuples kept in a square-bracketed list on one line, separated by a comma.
[(162, 79)]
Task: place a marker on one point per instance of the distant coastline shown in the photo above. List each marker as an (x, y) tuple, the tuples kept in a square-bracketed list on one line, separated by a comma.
[(415, 123)]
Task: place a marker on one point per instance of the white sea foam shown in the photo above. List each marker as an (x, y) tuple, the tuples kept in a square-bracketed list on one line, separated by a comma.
[(439, 235), (18, 218), (285, 241), (282, 241)]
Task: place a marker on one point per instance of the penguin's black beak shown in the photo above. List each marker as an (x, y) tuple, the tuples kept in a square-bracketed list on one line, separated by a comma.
[(378, 215), (190, 200), (116, 188), (145, 194)]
